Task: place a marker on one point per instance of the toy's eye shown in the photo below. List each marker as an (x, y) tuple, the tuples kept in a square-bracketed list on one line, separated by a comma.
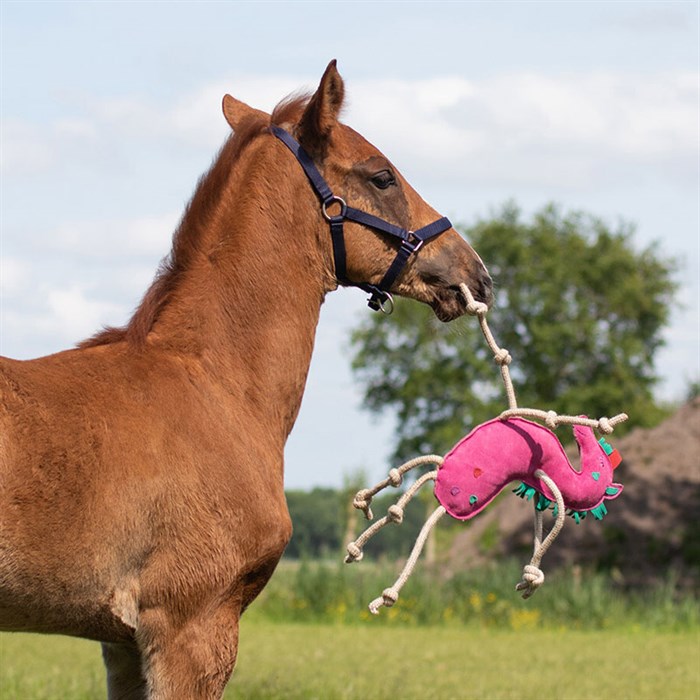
[(383, 179)]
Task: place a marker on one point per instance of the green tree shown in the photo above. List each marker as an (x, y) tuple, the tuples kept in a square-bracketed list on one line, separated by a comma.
[(580, 310), (317, 523)]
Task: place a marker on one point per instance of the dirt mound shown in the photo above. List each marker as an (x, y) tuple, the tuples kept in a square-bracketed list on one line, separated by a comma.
[(653, 526)]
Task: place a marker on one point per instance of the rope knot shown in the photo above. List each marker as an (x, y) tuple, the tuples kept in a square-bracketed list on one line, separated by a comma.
[(395, 514), (533, 578), (605, 426), (551, 420), (388, 598), (395, 477), (502, 357), (476, 308), (354, 553), (362, 502)]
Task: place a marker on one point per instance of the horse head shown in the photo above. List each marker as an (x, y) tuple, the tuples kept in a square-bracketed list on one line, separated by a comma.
[(363, 180)]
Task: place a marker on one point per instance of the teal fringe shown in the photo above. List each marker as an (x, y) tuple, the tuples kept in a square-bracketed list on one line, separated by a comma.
[(543, 503)]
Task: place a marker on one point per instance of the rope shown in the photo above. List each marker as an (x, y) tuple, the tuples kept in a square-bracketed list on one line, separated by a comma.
[(394, 515), (363, 498), (552, 419), (502, 358), (391, 595), (533, 576)]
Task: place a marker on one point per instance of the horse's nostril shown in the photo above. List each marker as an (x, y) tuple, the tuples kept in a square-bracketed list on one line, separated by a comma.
[(486, 288)]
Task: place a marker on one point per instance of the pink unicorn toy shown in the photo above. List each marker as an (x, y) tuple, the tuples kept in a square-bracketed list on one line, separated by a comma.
[(491, 456)]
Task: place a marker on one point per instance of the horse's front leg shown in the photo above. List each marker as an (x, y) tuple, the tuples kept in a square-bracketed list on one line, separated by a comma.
[(191, 658), (125, 678)]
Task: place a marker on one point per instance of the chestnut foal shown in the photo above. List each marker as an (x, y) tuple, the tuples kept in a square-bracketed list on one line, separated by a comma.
[(141, 473)]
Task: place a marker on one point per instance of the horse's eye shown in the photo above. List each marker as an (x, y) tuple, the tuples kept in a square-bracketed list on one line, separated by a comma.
[(383, 179)]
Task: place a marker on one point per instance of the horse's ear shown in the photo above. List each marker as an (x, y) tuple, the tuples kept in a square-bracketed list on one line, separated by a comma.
[(236, 112), (321, 113)]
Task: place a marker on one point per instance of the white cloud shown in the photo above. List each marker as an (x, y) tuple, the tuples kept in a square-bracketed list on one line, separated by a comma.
[(126, 115), (25, 148), (75, 313), (111, 264), (511, 128), (48, 316), (76, 129), (198, 117), (147, 236), (13, 275), (532, 128), (652, 18), (409, 120), (194, 118)]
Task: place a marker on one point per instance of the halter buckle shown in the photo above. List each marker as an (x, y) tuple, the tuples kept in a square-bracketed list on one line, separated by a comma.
[(414, 242)]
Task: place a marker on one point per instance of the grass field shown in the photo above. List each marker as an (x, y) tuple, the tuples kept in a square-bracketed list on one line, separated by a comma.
[(306, 662)]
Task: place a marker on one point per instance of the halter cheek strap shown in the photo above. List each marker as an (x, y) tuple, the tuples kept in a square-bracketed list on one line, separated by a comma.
[(411, 241)]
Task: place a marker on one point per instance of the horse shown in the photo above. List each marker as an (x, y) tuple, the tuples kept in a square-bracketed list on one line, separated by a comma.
[(141, 472)]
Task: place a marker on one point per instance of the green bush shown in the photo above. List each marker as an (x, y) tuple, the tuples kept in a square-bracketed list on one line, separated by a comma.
[(319, 592)]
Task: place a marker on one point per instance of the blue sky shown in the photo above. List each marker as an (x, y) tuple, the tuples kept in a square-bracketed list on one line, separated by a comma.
[(111, 111)]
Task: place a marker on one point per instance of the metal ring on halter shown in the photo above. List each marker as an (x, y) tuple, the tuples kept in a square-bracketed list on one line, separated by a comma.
[(389, 301), (418, 241), (334, 200)]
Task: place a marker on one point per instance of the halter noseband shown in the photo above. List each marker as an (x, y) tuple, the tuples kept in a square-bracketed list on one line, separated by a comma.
[(411, 241)]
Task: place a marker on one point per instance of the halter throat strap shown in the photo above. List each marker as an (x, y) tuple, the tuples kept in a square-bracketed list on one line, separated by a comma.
[(411, 241)]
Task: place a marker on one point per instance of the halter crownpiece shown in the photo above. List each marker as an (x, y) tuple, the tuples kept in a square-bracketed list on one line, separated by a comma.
[(411, 241)]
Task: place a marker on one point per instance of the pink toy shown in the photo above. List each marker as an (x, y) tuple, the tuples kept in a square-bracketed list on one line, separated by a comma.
[(480, 465), (492, 455)]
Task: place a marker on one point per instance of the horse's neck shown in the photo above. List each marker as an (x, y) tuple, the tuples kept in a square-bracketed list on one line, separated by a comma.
[(249, 306)]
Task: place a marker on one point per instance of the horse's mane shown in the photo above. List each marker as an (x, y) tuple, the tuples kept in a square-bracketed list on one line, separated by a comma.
[(187, 239)]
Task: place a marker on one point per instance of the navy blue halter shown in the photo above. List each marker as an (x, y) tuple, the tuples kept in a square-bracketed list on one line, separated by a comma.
[(411, 241)]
